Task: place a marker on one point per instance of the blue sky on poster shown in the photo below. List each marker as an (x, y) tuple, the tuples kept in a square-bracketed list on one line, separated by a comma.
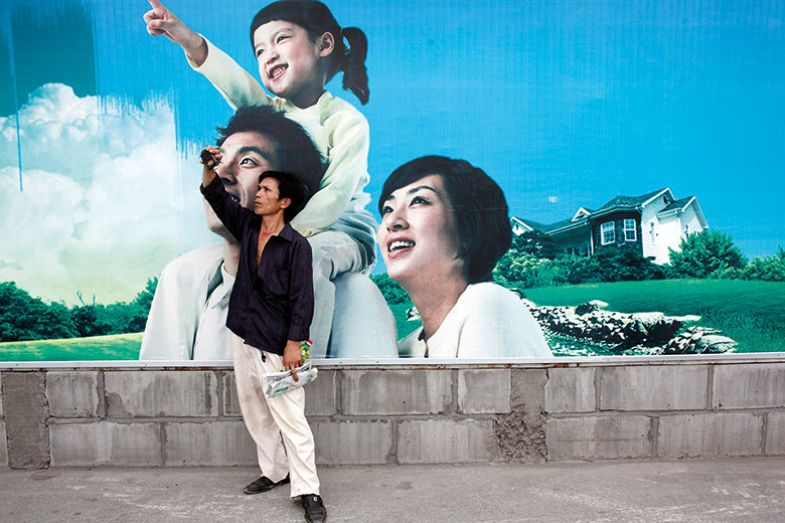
[(566, 104)]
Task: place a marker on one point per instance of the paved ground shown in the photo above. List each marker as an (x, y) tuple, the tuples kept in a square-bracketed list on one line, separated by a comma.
[(712, 491)]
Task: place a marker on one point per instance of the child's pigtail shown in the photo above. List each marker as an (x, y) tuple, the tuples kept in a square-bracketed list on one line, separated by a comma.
[(355, 75)]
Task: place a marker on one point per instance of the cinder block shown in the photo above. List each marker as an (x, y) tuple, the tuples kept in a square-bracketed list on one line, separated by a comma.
[(161, 393), (3, 446), (352, 442), (483, 391), (775, 434), (320, 395), (72, 394), (26, 416), (710, 434), (209, 443), (598, 437), (105, 443), (527, 394), (445, 441), (670, 387), (749, 386), (231, 405), (396, 391), (570, 390)]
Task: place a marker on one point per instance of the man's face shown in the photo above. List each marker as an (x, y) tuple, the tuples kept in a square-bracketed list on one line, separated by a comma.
[(246, 155), (268, 201)]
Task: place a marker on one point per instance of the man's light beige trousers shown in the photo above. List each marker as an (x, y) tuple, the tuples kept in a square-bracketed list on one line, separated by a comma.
[(268, 419)]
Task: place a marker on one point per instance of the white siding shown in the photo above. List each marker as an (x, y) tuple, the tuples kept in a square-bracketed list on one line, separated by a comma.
[(670, 236), (672, 232), (650, 242), (690, 219)]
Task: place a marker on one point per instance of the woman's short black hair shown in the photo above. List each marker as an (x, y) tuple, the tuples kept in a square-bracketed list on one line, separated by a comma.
[(480, 212), (294, 147), (289, 186)]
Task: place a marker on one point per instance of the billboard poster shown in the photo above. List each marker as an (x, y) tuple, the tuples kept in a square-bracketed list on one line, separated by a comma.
[(489, 180)]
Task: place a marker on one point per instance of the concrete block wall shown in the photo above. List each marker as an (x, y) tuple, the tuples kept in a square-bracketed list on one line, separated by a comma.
[(666, 411), (411, 414), (415, 415)]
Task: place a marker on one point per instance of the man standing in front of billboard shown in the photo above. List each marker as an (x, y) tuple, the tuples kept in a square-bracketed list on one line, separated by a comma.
[(270, 311)]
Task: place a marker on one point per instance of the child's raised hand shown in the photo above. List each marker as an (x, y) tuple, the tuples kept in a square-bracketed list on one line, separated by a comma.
[(161, 21)]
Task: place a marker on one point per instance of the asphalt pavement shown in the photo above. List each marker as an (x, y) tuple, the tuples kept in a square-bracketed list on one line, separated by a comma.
[(713, 491)]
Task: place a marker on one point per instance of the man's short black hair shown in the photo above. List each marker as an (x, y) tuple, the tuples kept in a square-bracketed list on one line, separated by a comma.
[(295, 150), (480, 212), (289, 186)]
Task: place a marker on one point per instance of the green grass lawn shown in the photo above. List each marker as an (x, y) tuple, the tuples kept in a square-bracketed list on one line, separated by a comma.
[(750, 312), (115, 347), (401, 323)]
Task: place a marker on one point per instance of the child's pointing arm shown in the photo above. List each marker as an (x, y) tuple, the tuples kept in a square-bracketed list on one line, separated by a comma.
[(161, 21)]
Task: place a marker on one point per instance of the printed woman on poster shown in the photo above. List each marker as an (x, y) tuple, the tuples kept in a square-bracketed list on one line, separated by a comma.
[(444, 226)]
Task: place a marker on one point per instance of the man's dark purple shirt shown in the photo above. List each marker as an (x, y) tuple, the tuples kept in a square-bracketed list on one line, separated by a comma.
[(272, 302)]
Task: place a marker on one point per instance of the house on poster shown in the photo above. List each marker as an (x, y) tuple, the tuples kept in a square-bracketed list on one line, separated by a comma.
[(650, 224)]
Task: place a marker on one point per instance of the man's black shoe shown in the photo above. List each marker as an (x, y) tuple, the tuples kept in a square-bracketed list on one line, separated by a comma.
[(263, 484), (314, 508)]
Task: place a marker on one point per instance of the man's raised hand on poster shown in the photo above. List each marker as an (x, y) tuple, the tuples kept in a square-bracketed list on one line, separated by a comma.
[(210, 157)]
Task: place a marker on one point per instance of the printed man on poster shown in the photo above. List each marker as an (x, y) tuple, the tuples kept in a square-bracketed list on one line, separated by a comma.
[(187, 319)]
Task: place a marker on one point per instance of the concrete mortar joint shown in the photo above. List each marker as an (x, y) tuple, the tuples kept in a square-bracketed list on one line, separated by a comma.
[(219, 392), (338, 394), (101, 410), (654, 429), (392, 456), (162, 433)]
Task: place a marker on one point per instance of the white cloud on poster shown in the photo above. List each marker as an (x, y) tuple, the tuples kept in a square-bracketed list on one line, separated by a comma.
[(553, 199), (105, 204)]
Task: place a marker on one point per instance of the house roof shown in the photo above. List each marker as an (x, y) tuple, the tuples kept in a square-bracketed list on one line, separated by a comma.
[(681, 205), (582, 212), (626, 202), (618, 203), (678, 205), (531, 224), (551, 227)]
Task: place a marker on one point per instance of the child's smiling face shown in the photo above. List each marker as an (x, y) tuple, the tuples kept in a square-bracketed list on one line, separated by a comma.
[(289, 61)]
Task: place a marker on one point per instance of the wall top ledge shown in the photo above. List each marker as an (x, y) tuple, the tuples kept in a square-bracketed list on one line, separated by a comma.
[(417, 363)]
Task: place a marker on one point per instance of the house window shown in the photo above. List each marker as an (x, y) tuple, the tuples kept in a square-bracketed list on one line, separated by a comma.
[(607, 233), (630, 233), (686, 230), (651, 231)]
